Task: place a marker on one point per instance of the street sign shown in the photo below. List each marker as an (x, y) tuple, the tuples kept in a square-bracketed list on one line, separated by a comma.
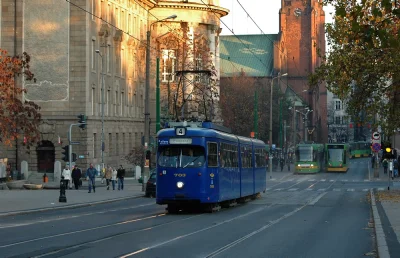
[(376, 136), (74, 143), (376, 147), (81, 156)]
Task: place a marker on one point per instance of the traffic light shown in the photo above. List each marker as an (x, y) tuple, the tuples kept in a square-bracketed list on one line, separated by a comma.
[(82, 121), (65, 153), (73, 157), (148, 154)]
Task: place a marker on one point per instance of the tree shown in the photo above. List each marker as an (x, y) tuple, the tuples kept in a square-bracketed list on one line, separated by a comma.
[(193, 93), (237, 103), (18, 118), (136, 156), (362, 66)]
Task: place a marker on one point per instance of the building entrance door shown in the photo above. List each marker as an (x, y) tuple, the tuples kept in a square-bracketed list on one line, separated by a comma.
[(46, 157)]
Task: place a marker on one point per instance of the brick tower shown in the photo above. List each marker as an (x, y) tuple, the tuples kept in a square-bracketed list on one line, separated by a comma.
[(302, 33)]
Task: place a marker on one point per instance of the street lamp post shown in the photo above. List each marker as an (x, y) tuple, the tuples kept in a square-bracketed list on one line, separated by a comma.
[(147, 86), (270, 123), (102, 108), (305, 117)]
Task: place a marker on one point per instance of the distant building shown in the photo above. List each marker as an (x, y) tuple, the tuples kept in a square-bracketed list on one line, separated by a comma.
[(293, 51)]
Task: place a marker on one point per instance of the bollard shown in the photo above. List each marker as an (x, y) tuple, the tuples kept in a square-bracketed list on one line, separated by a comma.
[(62, 197), (45, 178)]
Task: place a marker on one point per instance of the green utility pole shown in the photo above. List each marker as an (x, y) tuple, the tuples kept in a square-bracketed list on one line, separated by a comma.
[(158, 126), (280, 124), (255, 114)]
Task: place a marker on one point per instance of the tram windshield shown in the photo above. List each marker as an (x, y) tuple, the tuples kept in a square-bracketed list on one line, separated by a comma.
[(304, 153), (181, 157), (335, 154)]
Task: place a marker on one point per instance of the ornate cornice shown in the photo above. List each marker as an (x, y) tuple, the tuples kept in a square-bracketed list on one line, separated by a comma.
[(192, 6)]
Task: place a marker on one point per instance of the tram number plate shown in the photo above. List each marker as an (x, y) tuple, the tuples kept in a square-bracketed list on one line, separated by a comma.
[(180, 131), (180, 175)]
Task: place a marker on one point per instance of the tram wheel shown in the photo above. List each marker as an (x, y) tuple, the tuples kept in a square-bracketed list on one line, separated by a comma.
[(172, 208)]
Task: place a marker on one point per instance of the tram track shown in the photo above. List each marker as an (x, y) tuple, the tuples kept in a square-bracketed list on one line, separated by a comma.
[(62, 218), (71, 247)]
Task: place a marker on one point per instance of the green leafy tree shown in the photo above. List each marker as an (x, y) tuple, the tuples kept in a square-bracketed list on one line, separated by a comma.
[(18, 118), (362, 64)]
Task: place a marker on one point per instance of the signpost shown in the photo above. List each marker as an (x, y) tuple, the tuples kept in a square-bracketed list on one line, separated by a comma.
[(376, 147)]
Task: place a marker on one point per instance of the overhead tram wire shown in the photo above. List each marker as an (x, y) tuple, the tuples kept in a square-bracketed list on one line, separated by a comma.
[(237, 37), (130, 35), (280, 50)]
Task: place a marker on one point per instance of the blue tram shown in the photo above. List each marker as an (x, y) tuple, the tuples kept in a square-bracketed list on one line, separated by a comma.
[(204, 165)]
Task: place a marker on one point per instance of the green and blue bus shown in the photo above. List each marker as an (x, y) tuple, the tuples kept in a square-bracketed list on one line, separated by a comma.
[(360, 149), (309, 158), (337, 157)]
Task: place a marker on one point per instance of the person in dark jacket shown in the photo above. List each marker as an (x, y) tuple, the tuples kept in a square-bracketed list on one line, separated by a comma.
[(91, 174), (76, 176), (120, 176)]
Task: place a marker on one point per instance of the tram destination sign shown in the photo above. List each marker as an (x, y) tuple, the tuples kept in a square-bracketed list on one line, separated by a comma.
[(180, 141)]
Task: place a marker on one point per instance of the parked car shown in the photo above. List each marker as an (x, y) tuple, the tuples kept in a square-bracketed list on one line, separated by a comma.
[(151, 185)]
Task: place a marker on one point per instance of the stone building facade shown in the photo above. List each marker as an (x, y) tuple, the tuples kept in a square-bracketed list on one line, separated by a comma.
[(62, 38), (302, 33)]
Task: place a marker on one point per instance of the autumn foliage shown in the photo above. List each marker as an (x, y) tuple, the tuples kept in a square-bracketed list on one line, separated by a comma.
[(19, 119), (362, 64)]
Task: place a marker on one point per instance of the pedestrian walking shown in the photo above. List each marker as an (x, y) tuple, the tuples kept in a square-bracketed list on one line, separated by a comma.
[(288, 165), (395, 168), (113, 177), (107, 176), (76, 177), (120, 176), (67, 177), (282, 164), (385, 165), (91, 174)]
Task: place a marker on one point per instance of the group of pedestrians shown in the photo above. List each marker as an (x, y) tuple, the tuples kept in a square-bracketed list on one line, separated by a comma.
[(394, 169), (110, 174)]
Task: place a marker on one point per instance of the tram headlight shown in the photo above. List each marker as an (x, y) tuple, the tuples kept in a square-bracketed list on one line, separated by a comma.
[(179, 185)]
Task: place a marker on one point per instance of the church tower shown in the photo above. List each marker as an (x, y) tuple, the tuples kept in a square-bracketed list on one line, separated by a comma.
[(302, 33)]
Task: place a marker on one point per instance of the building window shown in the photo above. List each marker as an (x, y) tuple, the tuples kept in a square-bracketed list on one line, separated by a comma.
[(93, 3), (108, 103), (92, 57), (95, 150), (110, 145), (117, 19), (338, 120), (122, 104), (109, 13), (129, 24), (168, 65), (122, 62), (288, 3), (108, 58), (93, 95), (117, 143), (337, 105), (122, 20), (123, 144)]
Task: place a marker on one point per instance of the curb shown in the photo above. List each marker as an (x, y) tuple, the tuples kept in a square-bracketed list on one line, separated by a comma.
[(72, 206), (383, 250)]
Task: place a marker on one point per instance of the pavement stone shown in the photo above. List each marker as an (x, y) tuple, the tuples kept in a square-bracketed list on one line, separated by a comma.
[(14, 202)]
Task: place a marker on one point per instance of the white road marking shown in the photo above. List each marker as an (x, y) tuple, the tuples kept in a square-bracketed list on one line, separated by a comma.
[(331, 180), (365, 190), (311, 180), (321, 189), (278, 189), (381, 189), (350, 190), (309, 189), (293, 189), (323, 180), (337, 189)]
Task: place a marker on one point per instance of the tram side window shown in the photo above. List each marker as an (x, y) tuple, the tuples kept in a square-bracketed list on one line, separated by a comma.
[(212, 154), (246, 157), (228, 157), (259, 158)]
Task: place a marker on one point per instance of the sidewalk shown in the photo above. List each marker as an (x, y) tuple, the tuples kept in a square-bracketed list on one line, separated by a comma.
[(14, 202)]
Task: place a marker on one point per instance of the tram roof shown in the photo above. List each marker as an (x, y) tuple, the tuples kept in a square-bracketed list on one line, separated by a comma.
[(211, 133)]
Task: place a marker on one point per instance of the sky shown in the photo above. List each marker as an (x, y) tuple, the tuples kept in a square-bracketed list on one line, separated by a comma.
[(265, 14)]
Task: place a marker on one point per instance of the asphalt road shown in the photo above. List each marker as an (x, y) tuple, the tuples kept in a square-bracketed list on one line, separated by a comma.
[(321, 222)]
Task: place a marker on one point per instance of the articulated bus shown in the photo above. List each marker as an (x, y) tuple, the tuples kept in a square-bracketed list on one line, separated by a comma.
[(360, 149), (337, 157), (309, 158)]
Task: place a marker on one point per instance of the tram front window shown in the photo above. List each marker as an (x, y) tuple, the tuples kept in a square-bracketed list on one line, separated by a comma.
[(304, 153), (335, 155), (177, 156)]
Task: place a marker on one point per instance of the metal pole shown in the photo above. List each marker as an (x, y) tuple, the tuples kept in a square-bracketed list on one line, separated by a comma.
[(280, 124), (270, 131), (255, 114), (102, 112), (305, 125), (294, 124), (158, 126)]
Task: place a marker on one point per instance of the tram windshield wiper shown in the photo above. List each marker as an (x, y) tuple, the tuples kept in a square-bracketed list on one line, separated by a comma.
[(191, 161)]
